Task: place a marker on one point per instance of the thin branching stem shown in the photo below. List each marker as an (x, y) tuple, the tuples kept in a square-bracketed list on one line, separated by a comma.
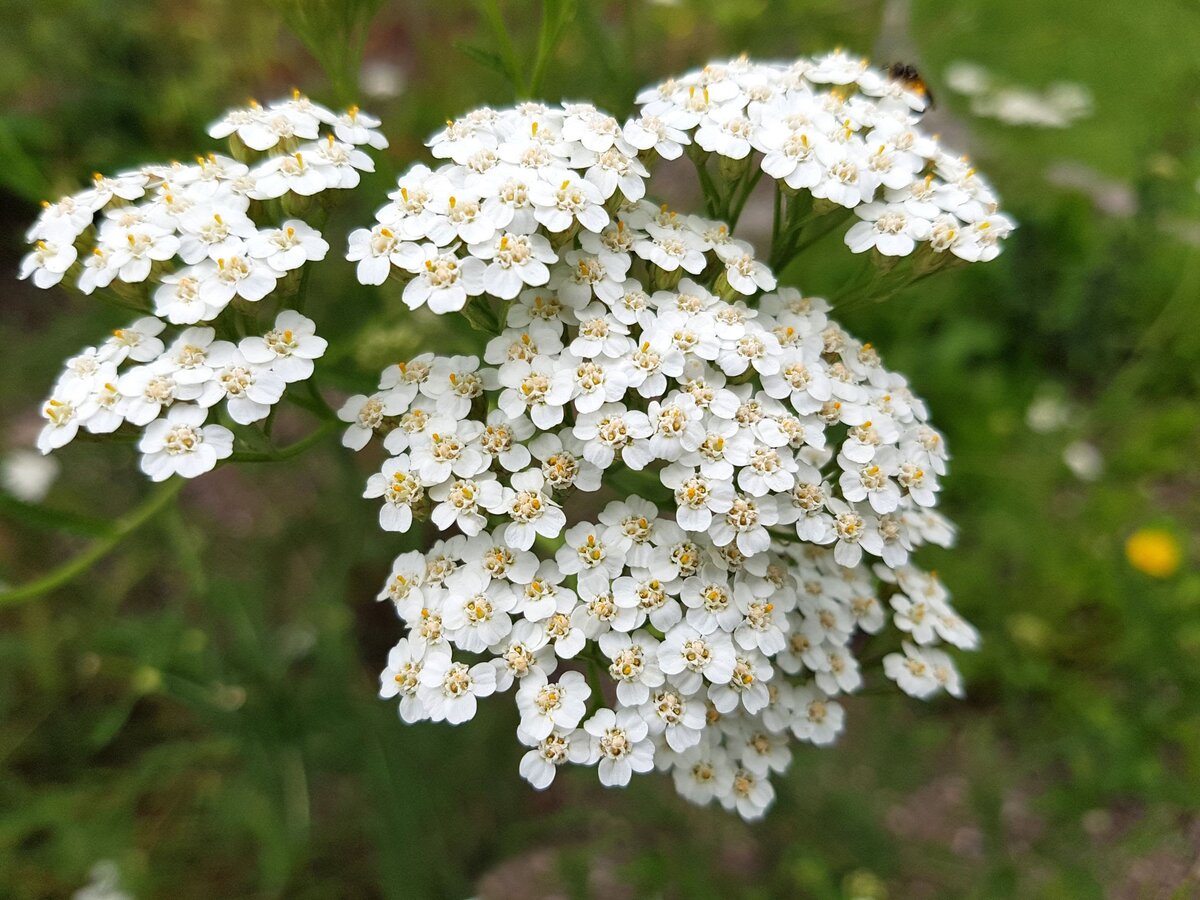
[(160, 498), (276, 454)]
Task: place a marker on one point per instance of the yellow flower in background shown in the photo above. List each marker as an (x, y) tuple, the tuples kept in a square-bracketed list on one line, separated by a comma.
[(1154, 551)]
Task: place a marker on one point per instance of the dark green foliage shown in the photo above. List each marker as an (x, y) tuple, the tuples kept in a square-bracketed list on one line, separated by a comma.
[(200, 707)]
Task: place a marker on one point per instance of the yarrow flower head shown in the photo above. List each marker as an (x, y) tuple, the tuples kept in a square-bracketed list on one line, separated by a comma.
[(759, 481), (200, 251), (673, 498)]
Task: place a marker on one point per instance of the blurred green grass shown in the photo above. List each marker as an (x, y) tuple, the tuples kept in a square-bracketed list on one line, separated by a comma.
[(200, 708)]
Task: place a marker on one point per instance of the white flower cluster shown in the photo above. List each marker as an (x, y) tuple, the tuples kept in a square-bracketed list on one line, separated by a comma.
[(188, 242), (675, 497), (845, 133)]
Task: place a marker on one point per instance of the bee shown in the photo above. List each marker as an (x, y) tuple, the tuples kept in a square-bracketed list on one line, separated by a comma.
[(907, 74)]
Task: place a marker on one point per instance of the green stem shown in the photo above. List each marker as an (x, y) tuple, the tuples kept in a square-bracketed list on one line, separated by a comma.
[(508, 53), (281, 453), (712, 195), (158, 500), (776, 219), (595, 680), (555, 14), (749, 183), (33, 515)]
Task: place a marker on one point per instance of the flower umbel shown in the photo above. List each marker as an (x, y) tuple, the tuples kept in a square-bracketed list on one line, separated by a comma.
[(762, 480)]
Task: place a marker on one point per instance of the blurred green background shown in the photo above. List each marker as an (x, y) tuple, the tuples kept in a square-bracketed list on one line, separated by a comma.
[(199, 709)]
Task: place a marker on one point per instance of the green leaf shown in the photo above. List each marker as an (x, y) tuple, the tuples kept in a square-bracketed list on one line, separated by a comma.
[(486, 58), (34, 515)]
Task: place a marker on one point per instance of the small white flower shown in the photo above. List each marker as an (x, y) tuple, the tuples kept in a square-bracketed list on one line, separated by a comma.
[(558, 205), (749, 794), (236, 276), (540, 764), (622, 741), (443, 281), (445, 448), (289, 246), (365, 414), (449, 690), (138, 341), (401, 490), (563, 462), (375, 250), (613, 430), (689, 658), (633, 664), (524, 652), (514, 262), (140, 249), (548, 705), (62, 424), (817, 718), (181, 444), (289, 348), (148, 390), (47, 263), (888, 228), (589, 553), (704, 772), (463, 502), (912, 671), (475, 614), (249, 390), (359, 128), (402, 677), (297, 173), (745, 524), (697, 497), (531, 510), (539, 387)]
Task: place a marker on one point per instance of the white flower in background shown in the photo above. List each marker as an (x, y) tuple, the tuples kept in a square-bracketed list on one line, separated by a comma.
[(28, 476), (181, 444), (105, 884), (1084, 460)]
